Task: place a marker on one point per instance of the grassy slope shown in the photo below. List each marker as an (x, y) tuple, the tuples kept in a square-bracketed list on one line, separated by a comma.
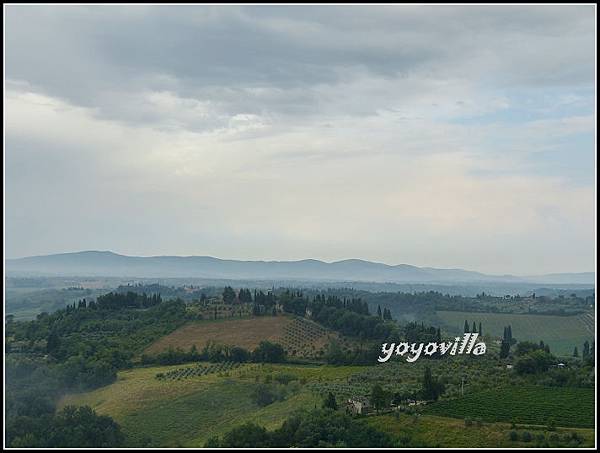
[(190, 411), (562, 333), (448, 432)]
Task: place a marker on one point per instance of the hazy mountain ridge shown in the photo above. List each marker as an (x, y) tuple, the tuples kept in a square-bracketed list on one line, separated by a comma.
[(105, 263)]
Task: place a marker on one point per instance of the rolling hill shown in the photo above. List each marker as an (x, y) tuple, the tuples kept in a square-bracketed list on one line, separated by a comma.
[(105, 263)]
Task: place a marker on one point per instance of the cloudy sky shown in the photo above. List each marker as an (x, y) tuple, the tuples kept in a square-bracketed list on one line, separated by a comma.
[(434, 136)]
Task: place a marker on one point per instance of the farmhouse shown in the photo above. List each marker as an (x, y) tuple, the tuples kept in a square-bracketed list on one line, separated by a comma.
[(358, 405)]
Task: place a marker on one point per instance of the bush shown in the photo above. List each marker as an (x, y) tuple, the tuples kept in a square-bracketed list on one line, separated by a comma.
[(526, 436), (513, 435), (264, 395)]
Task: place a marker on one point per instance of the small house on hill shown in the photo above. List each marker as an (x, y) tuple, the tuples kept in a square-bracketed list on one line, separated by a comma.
[(358, 405)]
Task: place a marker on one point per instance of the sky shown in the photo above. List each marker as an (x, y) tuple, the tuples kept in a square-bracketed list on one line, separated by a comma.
[(446, 136)]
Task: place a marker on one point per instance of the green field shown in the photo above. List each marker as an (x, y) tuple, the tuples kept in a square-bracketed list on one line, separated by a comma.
[(562, 333), (189, 411), (569, 407), (437, 431)]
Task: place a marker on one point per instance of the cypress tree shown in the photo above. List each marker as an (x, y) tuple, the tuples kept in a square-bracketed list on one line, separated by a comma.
[(504, 349)]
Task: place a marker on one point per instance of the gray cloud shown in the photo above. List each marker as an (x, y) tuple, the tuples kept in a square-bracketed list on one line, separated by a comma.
[(394, 133), (92, 56)]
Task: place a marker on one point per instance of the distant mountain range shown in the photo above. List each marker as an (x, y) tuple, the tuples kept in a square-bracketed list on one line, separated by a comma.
[(109, 264)]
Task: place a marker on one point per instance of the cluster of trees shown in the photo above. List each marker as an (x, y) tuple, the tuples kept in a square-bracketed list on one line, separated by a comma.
[(115, 301), (77, 349), (265, 352), (533, 358), (431, 389), (386, 314), (474, 329), (277, 389), (75, 427), (360, 355), (420, 333), (351, 317), (507, 342), (317, 428), (245, 296), (229, 295)]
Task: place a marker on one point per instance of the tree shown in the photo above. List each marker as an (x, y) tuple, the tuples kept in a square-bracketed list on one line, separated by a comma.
[(466, 327), (248, 435), (264, 395), (431, 387), (504, 349), (228, 295), (474, 328), (330, 402), (379, 397), (586, 350), (334, 354), (480, 331), (379, 311), (537, 361), (268, 352), (53, 343), (575, 352)]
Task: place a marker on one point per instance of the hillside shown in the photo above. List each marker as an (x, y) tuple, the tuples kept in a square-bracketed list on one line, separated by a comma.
[(561, 333), (188, 412), (111, 264), (299, 337)]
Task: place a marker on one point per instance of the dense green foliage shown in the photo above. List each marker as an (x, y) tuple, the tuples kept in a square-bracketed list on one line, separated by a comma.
[(265, 352), (318, 428), (71, 427), (80, 347)]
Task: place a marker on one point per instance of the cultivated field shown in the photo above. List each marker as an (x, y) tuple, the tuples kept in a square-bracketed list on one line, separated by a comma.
[(246, 333), (562, 333), (571, 407), (451, 432), (299, 337)]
